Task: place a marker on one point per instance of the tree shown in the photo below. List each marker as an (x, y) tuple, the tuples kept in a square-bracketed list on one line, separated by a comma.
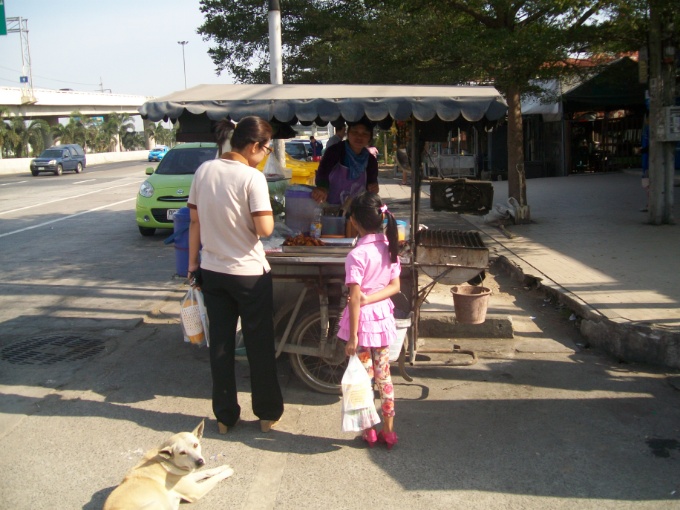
[(133, 140), (516, 42), (115, 126), (92, 135), (27, 138), (4, 129), (162, 135), (504, 42), (151, 131), (75, 131)]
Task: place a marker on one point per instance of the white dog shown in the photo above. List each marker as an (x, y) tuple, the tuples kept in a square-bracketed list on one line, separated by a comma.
[(165, 476)]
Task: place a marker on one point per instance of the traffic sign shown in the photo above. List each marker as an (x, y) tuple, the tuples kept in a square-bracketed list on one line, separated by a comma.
[(3, 21)]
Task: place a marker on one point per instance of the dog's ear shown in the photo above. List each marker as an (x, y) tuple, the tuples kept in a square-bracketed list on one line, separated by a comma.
[(198, 431), (166, 452)]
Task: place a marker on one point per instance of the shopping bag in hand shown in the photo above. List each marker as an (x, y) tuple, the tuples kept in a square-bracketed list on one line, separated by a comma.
[(194, 318), (358, 406)]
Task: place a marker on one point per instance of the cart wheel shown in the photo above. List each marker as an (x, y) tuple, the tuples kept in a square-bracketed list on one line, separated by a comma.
[(320, 374)]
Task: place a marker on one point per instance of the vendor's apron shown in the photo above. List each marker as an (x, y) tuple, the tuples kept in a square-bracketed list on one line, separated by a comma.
[(341, 187)]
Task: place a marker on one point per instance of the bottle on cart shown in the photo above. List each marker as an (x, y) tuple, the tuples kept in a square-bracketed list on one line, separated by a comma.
[(315, 227)]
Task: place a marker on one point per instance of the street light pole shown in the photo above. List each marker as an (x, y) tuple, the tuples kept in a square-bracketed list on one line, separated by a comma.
[(184, 62)]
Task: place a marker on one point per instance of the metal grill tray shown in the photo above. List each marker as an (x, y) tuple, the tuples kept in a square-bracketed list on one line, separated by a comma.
[(451, 256), (449, 239), (332, 246), (317, 250)]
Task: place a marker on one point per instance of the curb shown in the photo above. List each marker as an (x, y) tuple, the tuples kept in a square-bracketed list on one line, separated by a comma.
[(624, 340), (444, 325)]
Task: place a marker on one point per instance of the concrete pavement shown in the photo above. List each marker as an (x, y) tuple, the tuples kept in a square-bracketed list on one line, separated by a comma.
[(540, 425), (540, 422), (589, 246), (592, 246)]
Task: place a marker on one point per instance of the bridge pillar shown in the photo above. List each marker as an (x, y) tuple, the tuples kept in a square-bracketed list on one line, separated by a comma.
[(150, 140)]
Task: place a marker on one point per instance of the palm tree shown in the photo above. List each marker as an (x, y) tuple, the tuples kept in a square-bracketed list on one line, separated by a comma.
[(91, 136), (27, 135), (161, 135), (75, 131), (168, 136), (4, 128), (37, 132), (133, 140), (152, 131), (117, 124)]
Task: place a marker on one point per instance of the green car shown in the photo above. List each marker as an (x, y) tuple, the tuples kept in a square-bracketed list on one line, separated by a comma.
[(167, 189)]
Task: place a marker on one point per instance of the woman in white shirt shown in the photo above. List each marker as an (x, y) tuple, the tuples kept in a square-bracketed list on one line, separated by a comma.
[(230, 210)]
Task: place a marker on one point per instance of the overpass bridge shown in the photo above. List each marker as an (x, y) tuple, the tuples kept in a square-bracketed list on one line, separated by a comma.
[(52, 105), (61, 103)]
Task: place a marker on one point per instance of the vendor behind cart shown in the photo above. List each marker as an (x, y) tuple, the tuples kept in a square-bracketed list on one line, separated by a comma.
[(347, 168)]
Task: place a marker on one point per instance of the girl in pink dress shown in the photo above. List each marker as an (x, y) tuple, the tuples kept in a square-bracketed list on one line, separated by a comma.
[(372, 273)]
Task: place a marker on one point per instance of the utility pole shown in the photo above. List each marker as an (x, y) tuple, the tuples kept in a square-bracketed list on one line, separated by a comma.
[(101, 86), (661, 98), (184, 62), (276, 66), (20, 25)]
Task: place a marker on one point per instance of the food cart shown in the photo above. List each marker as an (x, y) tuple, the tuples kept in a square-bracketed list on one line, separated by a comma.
[(309, 292)]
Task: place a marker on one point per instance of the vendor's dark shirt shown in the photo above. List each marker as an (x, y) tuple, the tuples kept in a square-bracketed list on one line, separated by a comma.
[(335, 154)]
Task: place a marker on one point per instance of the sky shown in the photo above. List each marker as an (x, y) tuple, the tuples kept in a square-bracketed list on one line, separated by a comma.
[(121, 46)]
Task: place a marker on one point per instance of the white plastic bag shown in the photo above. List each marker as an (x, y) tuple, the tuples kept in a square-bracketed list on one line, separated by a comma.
[(396, 346), (194, 318), (498, 214), (358, 406), (272, 168)]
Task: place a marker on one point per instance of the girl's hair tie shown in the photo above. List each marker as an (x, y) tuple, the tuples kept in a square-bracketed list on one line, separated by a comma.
[(383, 208)]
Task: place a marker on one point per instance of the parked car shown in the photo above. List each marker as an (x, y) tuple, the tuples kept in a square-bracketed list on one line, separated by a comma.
[(157, 153), (167, 188), (299, 149), (59, 158)]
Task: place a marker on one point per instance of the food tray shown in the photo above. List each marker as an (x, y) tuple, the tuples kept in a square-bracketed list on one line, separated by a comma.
[(339, 241), (317, 250)]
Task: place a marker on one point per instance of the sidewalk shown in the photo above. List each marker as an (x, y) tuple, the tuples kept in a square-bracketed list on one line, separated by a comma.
[(589, 245)]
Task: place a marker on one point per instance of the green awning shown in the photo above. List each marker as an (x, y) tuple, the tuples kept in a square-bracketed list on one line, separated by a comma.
[(616, 87)]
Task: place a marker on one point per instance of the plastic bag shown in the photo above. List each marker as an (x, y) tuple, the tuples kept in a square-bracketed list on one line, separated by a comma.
[(358, 406), (278, 236), (501, 214), (397, 345), (272, 168), (514, 207), (194, 318)]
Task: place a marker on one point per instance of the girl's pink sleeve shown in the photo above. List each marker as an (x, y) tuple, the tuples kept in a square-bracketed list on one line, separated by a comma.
[(395, 270), (354, 270)]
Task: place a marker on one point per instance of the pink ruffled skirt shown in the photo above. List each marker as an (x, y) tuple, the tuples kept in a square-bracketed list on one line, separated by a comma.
[(376, 324)]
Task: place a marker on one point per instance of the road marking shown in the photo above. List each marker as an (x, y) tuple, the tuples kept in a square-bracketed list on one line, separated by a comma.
[(266, 483), (80, 182), (67, 217), (66, 198), (10, 183)]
